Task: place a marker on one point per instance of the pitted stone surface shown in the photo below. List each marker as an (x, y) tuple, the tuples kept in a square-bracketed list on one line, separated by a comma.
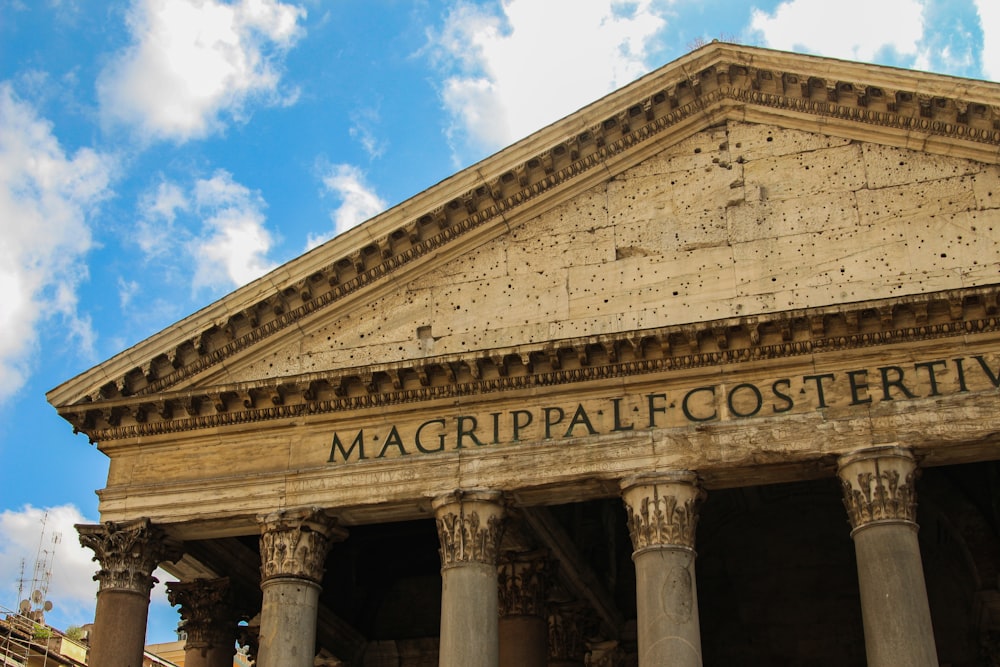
[(735, 220)]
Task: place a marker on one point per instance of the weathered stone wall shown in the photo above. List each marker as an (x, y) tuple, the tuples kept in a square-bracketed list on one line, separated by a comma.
[(737, 220)]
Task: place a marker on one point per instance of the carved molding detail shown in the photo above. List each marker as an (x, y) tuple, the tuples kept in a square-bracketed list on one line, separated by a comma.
[(523, 580), (878, 486), (724, 81), (675, 348), (128, 552), (207, 615), (470, 527), (662, 510), (294, 543)]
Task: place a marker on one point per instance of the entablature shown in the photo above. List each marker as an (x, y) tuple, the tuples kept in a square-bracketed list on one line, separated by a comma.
[(685, 347)]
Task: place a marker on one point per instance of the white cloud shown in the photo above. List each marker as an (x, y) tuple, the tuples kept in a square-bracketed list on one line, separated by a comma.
[(358, 200), (48, 536), (209, 233), (127, 289), (833, 28), (362, 129), (157, 211), (989, 19), (46, 197), (72, 588), (233, 245), (510, 74), (192, 61)]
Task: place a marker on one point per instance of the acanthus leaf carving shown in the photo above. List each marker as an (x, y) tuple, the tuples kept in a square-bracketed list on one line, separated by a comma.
[(294, 543), (662, 510), (878, 486), (206, 608), (470, 526), (523, 580), (570, 624), (128, 552)]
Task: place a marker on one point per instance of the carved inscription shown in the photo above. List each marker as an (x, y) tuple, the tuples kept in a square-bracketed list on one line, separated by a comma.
[(853, 389)]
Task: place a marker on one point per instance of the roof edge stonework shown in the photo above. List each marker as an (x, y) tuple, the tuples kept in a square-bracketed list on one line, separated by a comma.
[(781, 335), (958, 117)]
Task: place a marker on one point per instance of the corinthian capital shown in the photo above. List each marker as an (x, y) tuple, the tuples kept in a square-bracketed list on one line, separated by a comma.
[(523, 580), (470, 525), (662, 509), (570, 623), (878, 486), (294, 543), (128, 553), (207, 615)]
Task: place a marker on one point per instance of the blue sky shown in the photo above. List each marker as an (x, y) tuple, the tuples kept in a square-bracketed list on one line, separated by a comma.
[(157, 154)]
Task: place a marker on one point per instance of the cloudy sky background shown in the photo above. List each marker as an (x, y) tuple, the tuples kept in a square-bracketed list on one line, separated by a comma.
[(156, 154)]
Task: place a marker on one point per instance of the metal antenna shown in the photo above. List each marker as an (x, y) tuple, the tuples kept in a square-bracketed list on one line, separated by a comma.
[(37, 603)]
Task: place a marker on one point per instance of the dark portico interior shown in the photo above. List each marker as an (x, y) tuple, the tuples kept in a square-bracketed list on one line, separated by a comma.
[(776, 577)]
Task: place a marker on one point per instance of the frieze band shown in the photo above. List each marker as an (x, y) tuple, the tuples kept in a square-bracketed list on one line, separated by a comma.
[(653, 351), (664, 409)]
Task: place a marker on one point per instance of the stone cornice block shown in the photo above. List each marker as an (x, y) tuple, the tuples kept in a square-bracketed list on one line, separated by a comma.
[(952, 116)]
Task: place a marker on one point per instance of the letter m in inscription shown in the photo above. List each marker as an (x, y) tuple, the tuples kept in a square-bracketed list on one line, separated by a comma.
[(338, 446)]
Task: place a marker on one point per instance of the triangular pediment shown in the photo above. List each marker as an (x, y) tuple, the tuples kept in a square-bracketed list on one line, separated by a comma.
[(734, 189)]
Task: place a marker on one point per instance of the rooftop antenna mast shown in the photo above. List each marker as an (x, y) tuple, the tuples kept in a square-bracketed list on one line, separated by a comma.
[(38, 603), (20, 582)]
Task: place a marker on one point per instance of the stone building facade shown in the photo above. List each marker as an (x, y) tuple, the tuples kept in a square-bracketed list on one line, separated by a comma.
[(673, 381)]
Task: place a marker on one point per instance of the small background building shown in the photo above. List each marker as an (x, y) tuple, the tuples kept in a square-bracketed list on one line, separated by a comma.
[(28, 643)]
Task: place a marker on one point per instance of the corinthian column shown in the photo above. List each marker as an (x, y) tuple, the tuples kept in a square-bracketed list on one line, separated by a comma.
[(662, 515), (469, 524), (523, 579), (208, 620), (128, 552), (293, 549), (881, 503)]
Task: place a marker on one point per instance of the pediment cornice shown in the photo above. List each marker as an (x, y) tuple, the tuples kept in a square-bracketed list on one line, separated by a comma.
[(719, 82), (680, 348)]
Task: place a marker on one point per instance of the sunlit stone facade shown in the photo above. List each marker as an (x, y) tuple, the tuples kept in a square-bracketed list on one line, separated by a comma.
[(705, 373)]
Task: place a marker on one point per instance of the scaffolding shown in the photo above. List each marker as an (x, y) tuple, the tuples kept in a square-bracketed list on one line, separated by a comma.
[(19, 646), (25, 639)]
